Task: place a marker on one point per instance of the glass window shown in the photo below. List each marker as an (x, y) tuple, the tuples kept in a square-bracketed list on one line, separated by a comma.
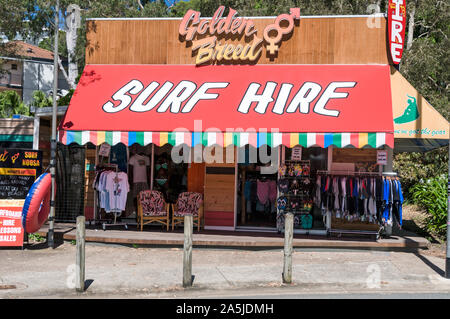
[(317, 155)]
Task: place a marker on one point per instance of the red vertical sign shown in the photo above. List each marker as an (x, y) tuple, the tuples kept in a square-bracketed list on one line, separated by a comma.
[(11, 230), (396, 28)]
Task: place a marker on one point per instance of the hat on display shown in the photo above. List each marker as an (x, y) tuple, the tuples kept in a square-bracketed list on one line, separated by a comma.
[(283, 185), (282, 202)]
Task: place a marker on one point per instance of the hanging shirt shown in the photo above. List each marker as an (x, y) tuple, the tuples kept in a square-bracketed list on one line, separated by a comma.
[(263, 191), (103, 191), (139, 163), (118, 187)]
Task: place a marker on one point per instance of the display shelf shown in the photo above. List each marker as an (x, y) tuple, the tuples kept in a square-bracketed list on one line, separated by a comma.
[(293, 177)]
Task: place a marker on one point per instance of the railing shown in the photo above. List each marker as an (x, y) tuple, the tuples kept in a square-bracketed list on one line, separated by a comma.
[(11, 79)]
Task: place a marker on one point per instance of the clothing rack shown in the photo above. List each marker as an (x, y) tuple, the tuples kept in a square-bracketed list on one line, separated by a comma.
[(104, 222), (347, 172), (101, 167), (258, 175), (392, 174)]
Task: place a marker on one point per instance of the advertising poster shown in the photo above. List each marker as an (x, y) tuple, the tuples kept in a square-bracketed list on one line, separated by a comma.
[(11, 230), (18, 170)]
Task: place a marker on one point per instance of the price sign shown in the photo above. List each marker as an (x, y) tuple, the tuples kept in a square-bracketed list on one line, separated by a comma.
[(105, 149), (11, 230), (382, 157), (296, 153)]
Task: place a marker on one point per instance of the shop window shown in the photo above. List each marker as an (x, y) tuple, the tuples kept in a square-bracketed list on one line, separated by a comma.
[(169, 178), (318, 157)]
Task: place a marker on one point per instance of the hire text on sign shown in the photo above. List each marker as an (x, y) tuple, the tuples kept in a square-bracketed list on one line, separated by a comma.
[(396, 28), (210, 49)]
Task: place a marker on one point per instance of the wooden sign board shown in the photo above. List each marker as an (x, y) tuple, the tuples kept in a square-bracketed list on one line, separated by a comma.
[(19, 169)]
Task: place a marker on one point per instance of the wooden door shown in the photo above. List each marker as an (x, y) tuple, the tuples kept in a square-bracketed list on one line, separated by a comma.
[(219, 196)]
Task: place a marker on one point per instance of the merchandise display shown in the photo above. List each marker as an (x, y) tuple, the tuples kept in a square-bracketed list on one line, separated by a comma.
[(112, 190), (361, 197), (294, 194)]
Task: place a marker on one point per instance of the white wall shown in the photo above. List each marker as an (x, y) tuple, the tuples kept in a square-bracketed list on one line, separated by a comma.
[(39, 76)]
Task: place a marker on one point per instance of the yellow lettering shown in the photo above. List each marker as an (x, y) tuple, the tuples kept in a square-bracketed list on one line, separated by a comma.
[(228, 51), (237, 52), (205, 49)]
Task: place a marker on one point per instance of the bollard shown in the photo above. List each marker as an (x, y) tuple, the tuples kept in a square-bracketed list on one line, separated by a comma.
[(288, 235), (80, 269), (187, 251)]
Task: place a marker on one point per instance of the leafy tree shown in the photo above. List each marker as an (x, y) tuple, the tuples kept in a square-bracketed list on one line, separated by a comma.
[(11, 104), (65, 100), (41, 100)]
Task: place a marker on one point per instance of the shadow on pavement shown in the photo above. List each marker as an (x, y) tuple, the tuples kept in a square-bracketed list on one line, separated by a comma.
[(438, 270), (58, 240), (88, 283)]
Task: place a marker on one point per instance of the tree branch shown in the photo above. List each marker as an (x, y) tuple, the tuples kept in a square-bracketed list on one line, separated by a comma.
[(72, 85)]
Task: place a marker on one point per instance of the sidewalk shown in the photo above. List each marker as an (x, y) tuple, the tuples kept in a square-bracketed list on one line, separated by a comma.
[(125, 272), (401, 240)]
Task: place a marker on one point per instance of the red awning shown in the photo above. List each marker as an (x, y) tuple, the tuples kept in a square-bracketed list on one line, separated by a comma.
[(324, 100)]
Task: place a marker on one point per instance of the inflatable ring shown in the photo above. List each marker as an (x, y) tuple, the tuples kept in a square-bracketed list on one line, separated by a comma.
[(37, 204)]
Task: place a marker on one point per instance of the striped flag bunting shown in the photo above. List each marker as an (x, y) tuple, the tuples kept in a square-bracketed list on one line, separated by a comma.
[(256, 139)]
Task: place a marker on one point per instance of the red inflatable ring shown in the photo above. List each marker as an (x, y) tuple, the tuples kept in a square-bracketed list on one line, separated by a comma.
[(37, 204)]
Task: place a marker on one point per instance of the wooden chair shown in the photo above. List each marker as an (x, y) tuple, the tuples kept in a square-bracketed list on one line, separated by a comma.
[(188, 203), (152, 209)]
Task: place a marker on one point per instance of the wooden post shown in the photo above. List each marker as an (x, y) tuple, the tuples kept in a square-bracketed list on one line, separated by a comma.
[(187, 251), (288, 235), (80, 267), (244, 202)]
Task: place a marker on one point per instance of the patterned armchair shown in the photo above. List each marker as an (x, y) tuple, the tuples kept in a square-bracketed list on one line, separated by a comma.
[(152, 209), (188, 203)]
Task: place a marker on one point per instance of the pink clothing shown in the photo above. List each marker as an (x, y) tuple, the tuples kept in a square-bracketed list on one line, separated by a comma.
[(262, 190), (272, 191), (266, 191)]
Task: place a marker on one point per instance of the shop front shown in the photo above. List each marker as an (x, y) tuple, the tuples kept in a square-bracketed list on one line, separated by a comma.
[(261, 116)]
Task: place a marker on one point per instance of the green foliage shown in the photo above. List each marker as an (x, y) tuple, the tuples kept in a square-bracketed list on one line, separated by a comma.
[(11, 104), (414, 167), (273, 8), (432, 196), (426, 65), (36, 238), (48, 43), (41, 100), (65, 100)]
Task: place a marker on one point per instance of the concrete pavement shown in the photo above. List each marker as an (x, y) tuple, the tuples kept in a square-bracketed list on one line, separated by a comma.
[(126, 272)]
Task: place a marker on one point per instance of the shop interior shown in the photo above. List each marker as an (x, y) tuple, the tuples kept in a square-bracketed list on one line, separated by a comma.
[(134, 164), (256, 192), (297, 185), (264, 198)]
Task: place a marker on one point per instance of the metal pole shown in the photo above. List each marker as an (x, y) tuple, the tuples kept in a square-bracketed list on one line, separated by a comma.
[(447, 259), (50, 236)]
